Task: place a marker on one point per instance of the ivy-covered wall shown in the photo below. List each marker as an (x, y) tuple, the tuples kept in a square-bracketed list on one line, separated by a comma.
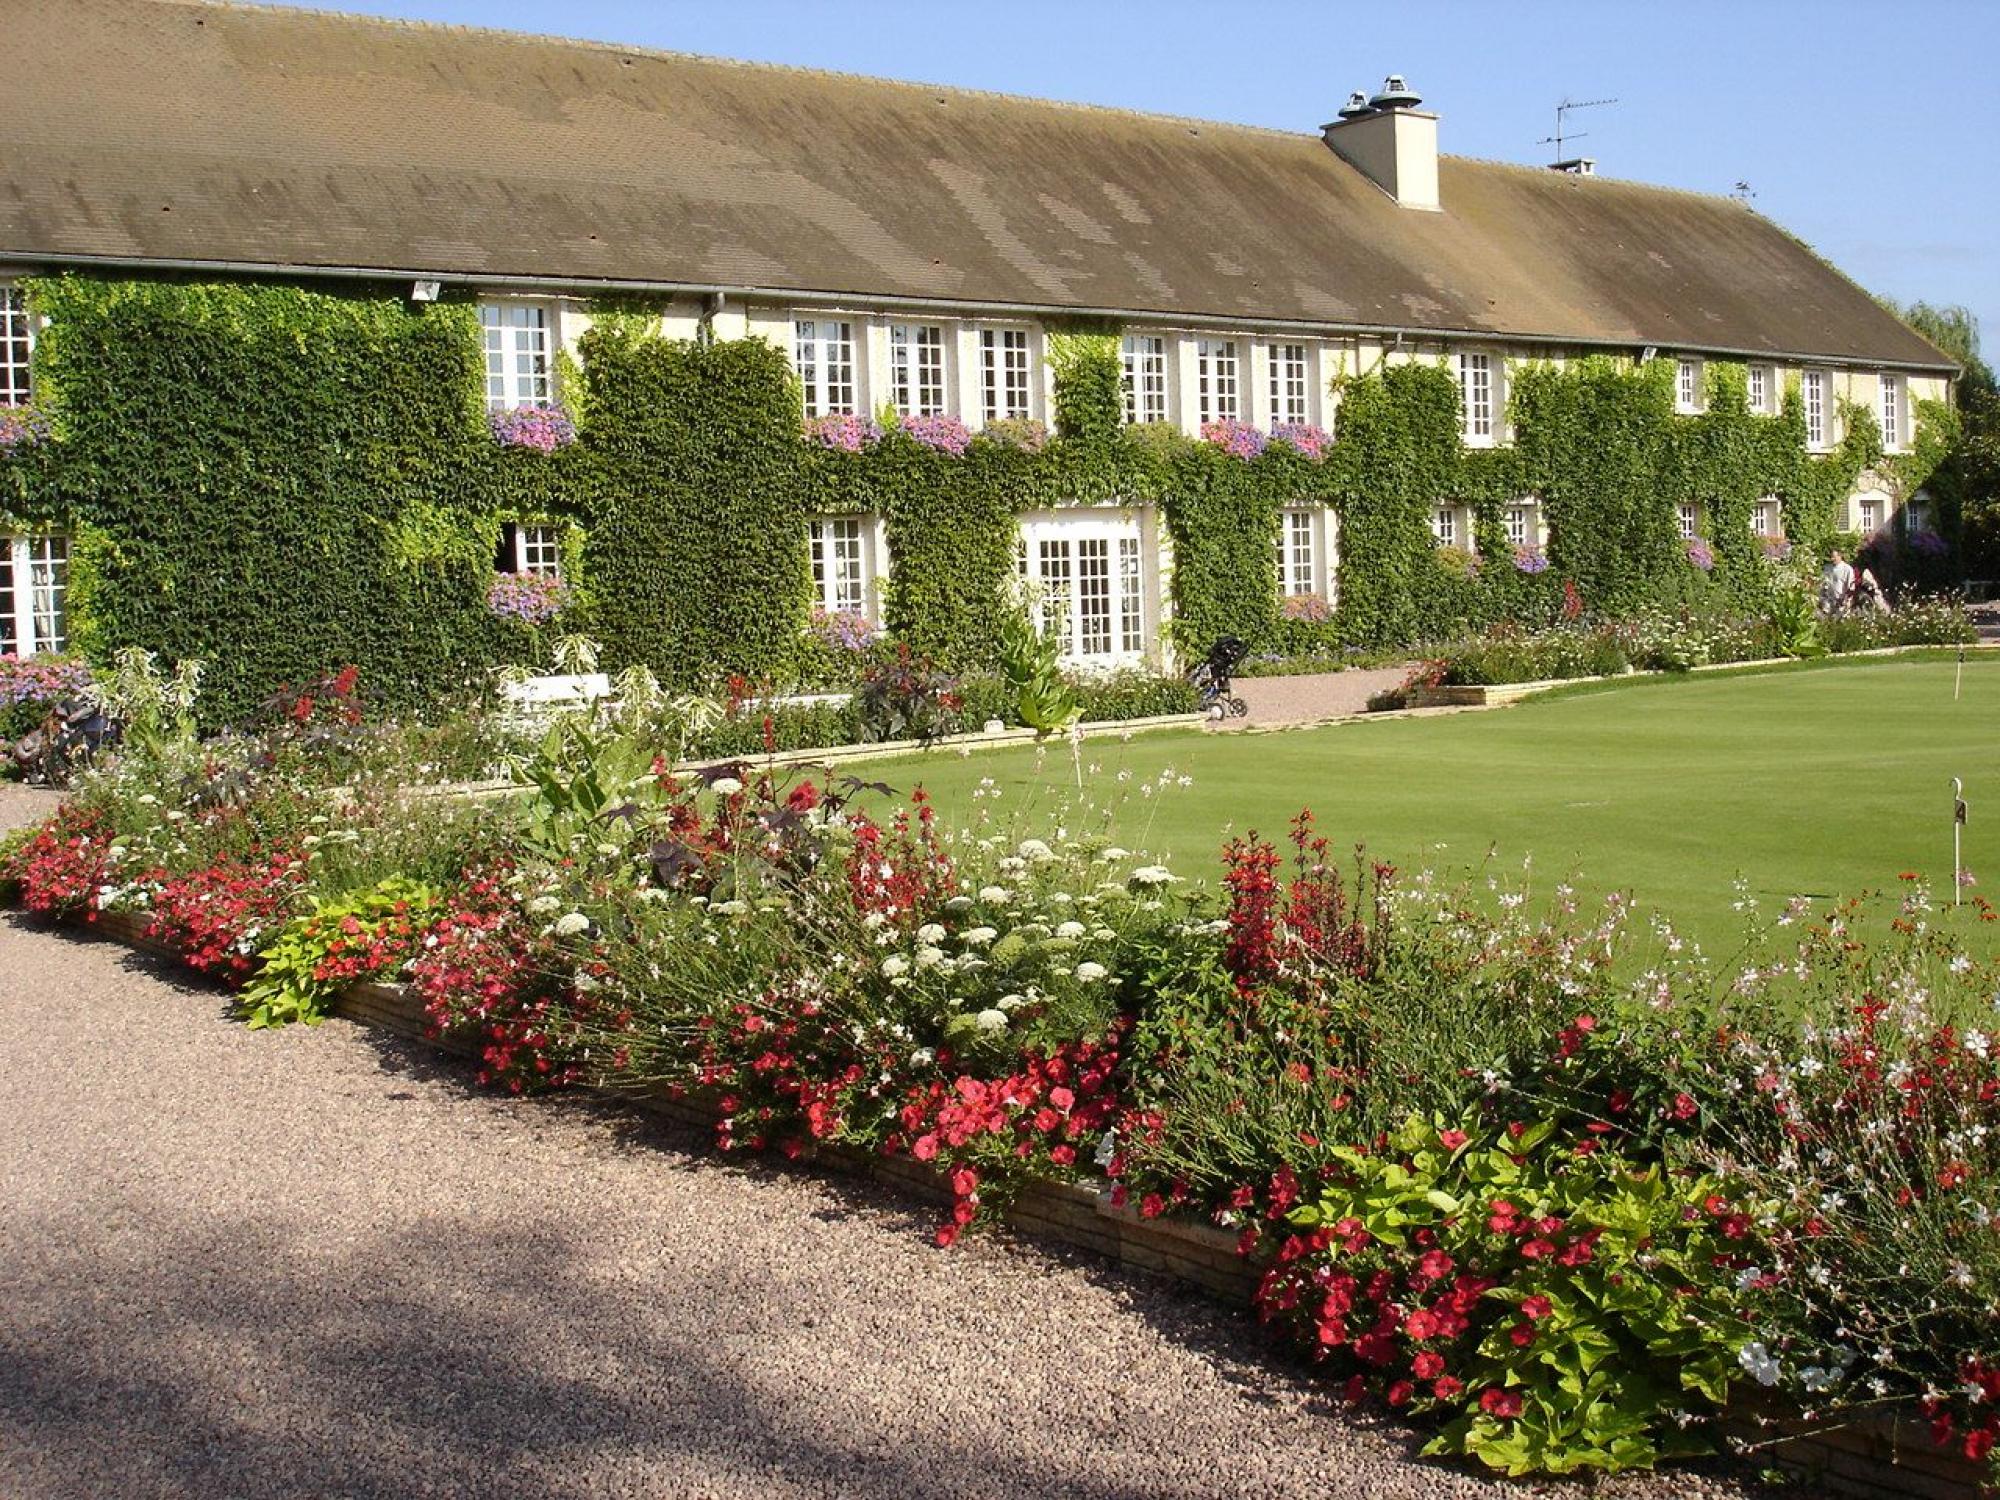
[(283, 479)]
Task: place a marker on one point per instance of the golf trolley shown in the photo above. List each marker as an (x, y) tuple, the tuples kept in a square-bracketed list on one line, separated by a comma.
[(1211, 679)]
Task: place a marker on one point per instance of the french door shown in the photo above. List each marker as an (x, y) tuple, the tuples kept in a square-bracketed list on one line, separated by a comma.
[(1087, 571)]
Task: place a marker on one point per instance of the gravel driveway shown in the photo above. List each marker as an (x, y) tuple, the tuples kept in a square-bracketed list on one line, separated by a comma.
[(317, 1262)]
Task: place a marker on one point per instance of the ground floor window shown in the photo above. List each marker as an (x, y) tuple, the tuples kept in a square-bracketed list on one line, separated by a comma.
[(842, 565), (1688, 516), (1087, 571), (1764, 518), (1868, 514), (34, 577), (1444, 525)]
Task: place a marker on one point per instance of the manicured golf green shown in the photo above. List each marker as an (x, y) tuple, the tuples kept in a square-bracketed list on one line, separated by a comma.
[(1824, 779)]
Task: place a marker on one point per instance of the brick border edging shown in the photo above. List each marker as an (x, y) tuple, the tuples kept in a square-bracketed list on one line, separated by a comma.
[(1888, 1456)]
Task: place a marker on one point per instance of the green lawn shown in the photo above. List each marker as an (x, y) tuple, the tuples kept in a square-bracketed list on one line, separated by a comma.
[(1819, 780)]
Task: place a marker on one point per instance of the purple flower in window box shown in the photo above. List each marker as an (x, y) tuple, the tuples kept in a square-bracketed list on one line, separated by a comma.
[(1302, 436), (40, 679), (945, 434), (842, 630), (1237, 439), (1530, 560), (843, 431), (1700, 555), (542, 428), (22, 427), (1312, 609), (531, 598)]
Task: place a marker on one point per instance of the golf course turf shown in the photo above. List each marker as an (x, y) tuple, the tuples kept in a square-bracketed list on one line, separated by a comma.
[(1825, 779)]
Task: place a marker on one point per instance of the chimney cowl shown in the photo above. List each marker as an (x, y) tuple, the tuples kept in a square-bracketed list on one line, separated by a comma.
[(1356, 106), (1396, 94)]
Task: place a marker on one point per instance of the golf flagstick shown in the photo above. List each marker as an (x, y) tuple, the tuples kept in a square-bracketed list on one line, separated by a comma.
[(1958, 676), (1957, 831)]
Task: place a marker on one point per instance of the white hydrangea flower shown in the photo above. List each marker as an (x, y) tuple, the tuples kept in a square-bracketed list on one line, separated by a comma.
[(726, 786), (571, 923), (895, 964), (1070, 930), (1090, 973), (978, 937), (995, 895), (1153, 875), (930, 932), (929, 957), (991, 1020)]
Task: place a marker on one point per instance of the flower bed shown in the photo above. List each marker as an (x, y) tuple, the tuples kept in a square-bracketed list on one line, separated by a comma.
[(1539, 1175)]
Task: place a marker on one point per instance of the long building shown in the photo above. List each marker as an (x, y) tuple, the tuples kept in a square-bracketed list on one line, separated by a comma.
[(907, 245)]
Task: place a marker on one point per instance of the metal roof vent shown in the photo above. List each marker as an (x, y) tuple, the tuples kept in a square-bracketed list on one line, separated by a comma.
[(1356, 106), (1396, 94)]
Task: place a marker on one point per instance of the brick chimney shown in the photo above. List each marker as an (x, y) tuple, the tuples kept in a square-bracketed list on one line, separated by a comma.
[(1391, 142)]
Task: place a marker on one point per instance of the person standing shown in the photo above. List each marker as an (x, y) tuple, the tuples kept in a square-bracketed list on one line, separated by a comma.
[(1836, 584)]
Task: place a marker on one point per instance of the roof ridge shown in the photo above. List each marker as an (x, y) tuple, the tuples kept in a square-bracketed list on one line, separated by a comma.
[(592, 44), (1639, 183)]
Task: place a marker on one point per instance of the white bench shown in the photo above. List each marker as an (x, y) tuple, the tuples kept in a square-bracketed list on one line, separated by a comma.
[(539, 697)]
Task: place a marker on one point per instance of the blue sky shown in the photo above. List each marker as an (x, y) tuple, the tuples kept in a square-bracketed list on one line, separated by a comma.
[(1864, 128)]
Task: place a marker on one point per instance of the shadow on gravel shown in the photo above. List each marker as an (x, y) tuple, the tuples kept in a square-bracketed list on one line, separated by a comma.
[(218, 1363)]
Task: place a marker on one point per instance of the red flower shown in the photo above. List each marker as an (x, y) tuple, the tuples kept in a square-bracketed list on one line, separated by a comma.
[(1427, 1365), (1399, 1393), (1506, 1405), (1451, 1140), (1536, 1307), (1446, 1387), (1537, 1249)]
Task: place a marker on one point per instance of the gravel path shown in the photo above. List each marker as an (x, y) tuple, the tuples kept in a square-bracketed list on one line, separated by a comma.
[(318, 1263), (1300, 700)]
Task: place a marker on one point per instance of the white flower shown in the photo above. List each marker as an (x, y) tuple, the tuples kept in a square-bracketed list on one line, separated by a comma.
[(1089, 973), (874, 919), (958, 903), (1153, 875), (732, 908), (1113, 854), (930, 932), (1759, 1363), (1008, 1002), (571, 923), (923, 1057), (1107, 1147), (726, 786), (978, 937), (991, 1020), (996, 895), (895, 964), (543, 905), (929, 957), (1036, 850), (1070, 930)]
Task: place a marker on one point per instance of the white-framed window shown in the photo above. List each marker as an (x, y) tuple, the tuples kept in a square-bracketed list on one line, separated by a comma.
[(1218, 388), (34, 580), (17, 347), (1298, 551), (824, 350), (1816, 394), (1892, 411), (1004, 386), (535, 548), (916, 369), (1291, 384), (1761, 387), (1687, 516), (520, 368), (1520, 520), (1478, 398), (1444, 525), (1087, 570), (1687, 385), (1868, 512), (1917, 515), (1766, 518), (1144, 357), (840, 563)]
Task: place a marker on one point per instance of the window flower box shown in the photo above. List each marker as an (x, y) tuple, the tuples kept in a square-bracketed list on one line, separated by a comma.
[(542, 428)]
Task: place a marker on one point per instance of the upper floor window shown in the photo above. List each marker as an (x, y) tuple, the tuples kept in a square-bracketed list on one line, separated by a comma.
[(1761, 386), (916, 369), (1003, 373), (528, 548), (1477, 397), (840, 563), (1218, 391), (1892, 411), (34, 579), (1816, 395), (1687, 385), (825, 351), (17, 344), (1290, 386), (1298, 553), (519, 368), (1144, 357)]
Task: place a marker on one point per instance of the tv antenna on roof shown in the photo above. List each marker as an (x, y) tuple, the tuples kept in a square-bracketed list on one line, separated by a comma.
[(1563, 133)]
